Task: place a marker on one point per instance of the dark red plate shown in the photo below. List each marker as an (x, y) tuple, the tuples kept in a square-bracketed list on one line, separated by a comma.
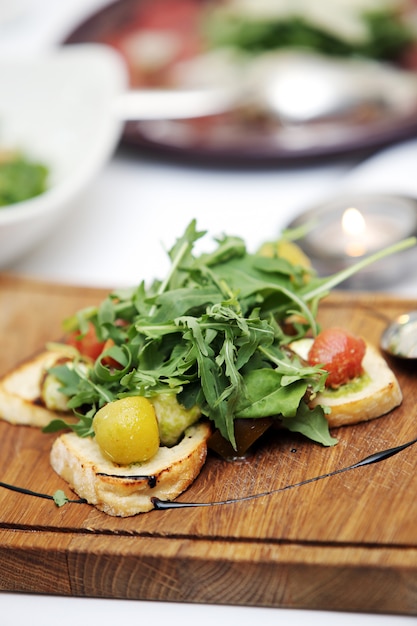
[(223, 137)]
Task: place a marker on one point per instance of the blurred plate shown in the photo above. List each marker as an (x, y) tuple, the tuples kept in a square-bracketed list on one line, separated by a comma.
[(150, 32)]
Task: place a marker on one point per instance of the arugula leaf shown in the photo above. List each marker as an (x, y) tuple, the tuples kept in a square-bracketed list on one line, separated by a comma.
[(181, 255), (83, 428), (60, 498), (56, 425), (178, 302), (266, 396), (311, 423)]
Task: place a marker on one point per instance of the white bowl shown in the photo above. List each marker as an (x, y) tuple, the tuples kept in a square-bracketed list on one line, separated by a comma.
[(57, 108)]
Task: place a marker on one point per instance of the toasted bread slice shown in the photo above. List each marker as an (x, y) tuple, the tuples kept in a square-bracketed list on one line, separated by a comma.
[(116, 490), (20, 392), (126, 491), (378, 394)]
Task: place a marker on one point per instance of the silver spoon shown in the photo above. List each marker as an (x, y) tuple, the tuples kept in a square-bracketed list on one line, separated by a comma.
[(294, 87), (301, 87), (400, 337)]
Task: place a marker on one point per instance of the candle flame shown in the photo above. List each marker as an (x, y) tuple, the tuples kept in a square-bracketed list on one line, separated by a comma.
[(354, 226), (353, 222)]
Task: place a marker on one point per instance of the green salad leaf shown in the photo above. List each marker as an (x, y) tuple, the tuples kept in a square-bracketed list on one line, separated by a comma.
[(387, 33), (21, 179), (60, 498), (214, 332)]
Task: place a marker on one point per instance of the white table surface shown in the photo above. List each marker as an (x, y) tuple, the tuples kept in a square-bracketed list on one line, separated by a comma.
[(117, 234)]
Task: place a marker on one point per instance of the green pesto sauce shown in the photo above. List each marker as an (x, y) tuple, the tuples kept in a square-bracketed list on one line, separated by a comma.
[(353, 386), (21, 179)]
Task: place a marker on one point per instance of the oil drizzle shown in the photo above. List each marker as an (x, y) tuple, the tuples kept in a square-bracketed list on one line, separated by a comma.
[(166, 504), (36, 494), (369, 460)]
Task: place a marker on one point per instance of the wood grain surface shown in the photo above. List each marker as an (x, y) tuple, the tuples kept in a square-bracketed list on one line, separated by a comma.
[(345, 542)]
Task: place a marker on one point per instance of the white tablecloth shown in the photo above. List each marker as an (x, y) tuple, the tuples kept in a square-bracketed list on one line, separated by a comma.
[(117, 234)]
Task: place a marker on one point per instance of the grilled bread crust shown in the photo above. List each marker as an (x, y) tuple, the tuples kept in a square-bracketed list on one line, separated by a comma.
[(125, 491), (20, 392), (116, 490)]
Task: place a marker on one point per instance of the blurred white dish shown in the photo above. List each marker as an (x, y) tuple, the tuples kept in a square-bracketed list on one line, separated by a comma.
[(57, 108)]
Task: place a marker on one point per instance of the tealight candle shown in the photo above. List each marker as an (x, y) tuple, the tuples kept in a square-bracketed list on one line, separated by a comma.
[(348, 228)]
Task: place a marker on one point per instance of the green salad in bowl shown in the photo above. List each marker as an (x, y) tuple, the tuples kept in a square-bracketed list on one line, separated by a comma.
[(21, 178)]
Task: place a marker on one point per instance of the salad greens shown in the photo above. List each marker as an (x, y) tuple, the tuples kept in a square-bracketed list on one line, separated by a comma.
[(215, 331), (387, 34), (20, 179)]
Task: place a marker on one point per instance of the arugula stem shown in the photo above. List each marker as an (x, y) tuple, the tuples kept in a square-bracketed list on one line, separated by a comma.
[(100, 390), (185, 246), (280, 363), (343, 275), (176, 328)]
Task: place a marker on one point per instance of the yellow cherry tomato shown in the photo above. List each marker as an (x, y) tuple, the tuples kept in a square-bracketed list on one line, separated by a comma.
[(285, 249), (126, 430)]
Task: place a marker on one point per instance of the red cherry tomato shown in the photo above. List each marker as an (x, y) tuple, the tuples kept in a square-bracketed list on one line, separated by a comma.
[(338, 352), (88, 344), (108, 360)]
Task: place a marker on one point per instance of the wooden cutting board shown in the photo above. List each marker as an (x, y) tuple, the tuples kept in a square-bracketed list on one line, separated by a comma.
[(345, 542)]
